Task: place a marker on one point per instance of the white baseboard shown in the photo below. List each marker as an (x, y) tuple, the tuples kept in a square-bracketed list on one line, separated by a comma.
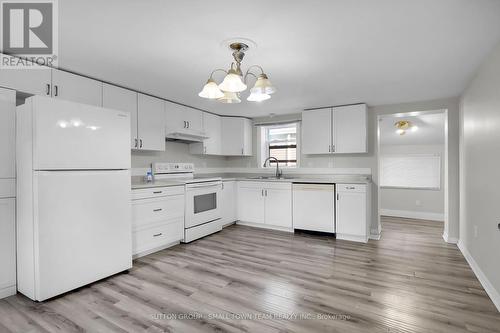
[(412, 214), (448, 239), (264, 226), (8, 291), (490, 290)]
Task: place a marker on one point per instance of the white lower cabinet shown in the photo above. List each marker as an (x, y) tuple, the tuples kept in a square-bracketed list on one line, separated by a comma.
[(7, 247), (352, 212), (265, 203), (228, 202), (157, 218)]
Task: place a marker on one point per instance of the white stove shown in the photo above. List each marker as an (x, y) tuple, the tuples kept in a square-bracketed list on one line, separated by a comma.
[(202, 213)]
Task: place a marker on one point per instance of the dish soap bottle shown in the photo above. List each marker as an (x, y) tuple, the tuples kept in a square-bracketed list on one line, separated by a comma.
[(149, 177)]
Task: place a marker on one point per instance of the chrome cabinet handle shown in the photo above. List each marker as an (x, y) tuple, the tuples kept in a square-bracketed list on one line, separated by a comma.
[(185, 124), (188, 123), (159, 234), (262, 192), (140, 140), (329, 148), (241, 151), (135, 142), (157, 210), (222, 185), (205, 150), (265, 191), (333, 148), (350, 187), (56, 90), (157, 192), (48, 89), (338, 196)]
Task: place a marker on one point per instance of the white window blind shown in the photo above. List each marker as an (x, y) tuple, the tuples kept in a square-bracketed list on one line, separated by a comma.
[(411, 171)]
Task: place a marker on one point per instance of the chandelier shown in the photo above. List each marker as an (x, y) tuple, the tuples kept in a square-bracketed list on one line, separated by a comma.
[(235, 82), (404, 125)]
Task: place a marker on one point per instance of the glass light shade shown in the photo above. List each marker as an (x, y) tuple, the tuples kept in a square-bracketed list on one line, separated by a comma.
[(400, 132), (263, 85), (258, 97), (232, 83), (230, 98), (211, 90), (414, 128)]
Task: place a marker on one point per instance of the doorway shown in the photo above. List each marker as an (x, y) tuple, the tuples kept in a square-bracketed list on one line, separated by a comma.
[(412, 164)]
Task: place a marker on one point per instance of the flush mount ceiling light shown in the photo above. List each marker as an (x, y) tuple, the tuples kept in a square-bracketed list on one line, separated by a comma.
[(235, 82), (404, 125)]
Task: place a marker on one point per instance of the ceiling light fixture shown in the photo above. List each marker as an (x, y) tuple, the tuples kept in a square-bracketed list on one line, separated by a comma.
[(404, 125), (235, 82)]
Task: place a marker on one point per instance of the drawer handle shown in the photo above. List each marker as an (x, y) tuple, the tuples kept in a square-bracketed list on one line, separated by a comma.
[(157, 192), (156, 235), (157, 210), (350, 188)]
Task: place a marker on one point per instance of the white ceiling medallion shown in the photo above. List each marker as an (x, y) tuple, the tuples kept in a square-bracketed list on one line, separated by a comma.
[(228, 91)]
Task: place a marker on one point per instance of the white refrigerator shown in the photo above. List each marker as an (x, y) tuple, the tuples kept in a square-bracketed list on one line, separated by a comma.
[(73, 195)]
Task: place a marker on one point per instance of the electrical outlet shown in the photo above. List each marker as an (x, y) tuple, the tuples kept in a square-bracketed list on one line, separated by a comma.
[(475, 231), (418, 203)]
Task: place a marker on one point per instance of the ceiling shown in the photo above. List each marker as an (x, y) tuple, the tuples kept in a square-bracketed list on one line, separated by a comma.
[(430, 131), (317, 53)]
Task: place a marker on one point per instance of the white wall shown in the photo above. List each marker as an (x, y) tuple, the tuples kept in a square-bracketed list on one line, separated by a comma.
[(369, 160), (175, 152), (403, 202), (480, 185)]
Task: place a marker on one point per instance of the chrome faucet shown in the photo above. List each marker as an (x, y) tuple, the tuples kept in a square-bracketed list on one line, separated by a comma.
[(278, 171)]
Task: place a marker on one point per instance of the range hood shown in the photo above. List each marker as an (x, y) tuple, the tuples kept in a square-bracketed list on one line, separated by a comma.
[(187, 136)]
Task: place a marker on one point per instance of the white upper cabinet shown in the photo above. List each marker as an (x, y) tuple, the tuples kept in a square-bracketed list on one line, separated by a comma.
[(7, 133), (317, 131), (182, 120), (335, 130), (350, 129), (117, 98), (236, 136), (212, 126), (150, 123), (32, 81), (76, 88)]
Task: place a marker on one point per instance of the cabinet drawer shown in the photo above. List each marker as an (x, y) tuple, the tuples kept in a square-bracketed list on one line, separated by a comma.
[(154, 237), (155, 192), (361, 188), (151, 211)]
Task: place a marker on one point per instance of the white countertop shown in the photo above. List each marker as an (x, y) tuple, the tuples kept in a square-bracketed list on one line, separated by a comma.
[(138, 182)]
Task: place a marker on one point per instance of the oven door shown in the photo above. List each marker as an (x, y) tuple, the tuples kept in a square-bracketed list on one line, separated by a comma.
[(202, 203)]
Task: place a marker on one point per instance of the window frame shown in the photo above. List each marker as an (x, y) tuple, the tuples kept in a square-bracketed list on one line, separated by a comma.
[(263, 143)]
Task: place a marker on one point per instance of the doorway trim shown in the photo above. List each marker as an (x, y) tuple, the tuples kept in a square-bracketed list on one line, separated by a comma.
[(446, 166)]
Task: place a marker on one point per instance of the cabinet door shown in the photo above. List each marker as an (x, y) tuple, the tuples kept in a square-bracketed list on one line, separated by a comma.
[(174, 118), (31, 81), (251, 204), (76, 88), (7, 247), (351, 211), (247, 136), (7, 133), (213, 127), (117, 98), (194, 119), (317, 131), (228, 202), (350, 129), (278, 208), (150, 123)]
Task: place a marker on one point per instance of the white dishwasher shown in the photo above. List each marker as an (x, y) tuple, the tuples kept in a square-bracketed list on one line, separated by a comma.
[(314, 207)]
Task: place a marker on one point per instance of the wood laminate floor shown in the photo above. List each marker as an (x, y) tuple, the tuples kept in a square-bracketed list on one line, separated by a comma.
[(256, 280)]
